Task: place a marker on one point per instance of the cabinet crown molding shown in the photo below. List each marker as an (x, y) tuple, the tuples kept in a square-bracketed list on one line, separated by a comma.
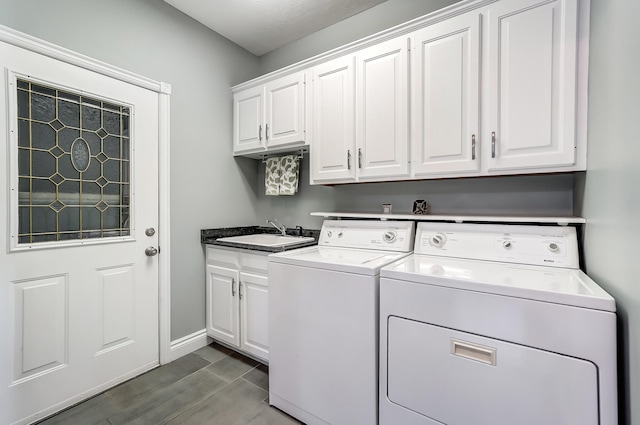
[(379, 37)]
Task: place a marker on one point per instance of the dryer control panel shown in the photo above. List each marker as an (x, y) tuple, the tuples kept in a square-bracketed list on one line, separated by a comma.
[(555, 246), (397, 236)]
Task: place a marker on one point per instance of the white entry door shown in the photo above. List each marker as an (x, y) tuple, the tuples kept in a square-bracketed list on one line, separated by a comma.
[(79, 197)]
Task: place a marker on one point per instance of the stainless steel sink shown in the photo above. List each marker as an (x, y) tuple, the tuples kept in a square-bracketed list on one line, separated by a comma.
[(267, 239)]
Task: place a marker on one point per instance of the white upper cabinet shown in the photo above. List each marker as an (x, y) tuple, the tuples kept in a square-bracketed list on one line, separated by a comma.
[(284, 111), (382, 120), (360, 116), (271, 116), (446, 97), (333, 117), (479, 88), (532, 74), (248, 118)]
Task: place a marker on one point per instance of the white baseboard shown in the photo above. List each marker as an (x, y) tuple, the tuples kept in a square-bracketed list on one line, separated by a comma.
[(188, 344)]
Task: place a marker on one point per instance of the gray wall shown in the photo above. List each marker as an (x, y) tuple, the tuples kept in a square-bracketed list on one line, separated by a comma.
[(370, 21), (151, 38), (550, 194), (608, 195)]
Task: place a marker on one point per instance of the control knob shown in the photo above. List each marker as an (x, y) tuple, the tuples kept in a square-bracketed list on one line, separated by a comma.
[(389, 236), (507, 245), (438, 240), (553, 247)]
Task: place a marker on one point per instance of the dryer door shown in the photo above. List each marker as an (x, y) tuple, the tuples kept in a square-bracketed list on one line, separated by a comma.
[(457, 378)]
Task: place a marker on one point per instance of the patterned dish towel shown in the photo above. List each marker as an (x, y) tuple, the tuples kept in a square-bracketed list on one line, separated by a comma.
[(281, 175), (272, 177), (289, 177)]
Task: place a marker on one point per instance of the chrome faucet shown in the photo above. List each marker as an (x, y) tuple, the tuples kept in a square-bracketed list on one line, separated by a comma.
[(281, 227)]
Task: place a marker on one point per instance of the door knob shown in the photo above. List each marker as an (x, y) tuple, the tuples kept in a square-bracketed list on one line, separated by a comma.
[(151, 251)]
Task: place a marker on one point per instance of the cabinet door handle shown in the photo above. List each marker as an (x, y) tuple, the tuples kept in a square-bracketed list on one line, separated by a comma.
[(260, 132), (240, 289), (493, 144), (233, 287), (473, 147), (348, 159), (359, 157), (266, 132)]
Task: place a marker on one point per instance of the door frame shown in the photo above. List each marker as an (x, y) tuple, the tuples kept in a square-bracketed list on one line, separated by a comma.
[(36, 45)]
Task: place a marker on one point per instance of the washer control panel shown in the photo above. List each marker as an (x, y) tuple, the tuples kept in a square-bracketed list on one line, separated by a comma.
[(555, 246), (368, 234)]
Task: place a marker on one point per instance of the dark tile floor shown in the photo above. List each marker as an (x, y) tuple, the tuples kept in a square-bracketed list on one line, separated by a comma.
[(213, 385)]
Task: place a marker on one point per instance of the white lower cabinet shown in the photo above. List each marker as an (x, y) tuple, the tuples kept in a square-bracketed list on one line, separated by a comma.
[(237, 299)]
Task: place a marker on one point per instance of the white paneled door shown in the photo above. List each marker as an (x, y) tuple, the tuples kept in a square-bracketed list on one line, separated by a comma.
[(79, 191)]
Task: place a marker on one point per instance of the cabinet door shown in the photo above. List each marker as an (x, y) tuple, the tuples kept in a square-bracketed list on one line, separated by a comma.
[(222, 304), (381, 103), (284, 110), (254, 302), (248, 117), (532, 84), (445, 88), (333, 148)]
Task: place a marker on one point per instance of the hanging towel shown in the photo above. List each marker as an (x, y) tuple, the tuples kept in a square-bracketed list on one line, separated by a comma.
[(272, 176), (289, 176)]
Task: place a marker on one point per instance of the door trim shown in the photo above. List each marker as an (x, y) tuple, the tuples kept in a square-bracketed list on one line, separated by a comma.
[(33, 44)]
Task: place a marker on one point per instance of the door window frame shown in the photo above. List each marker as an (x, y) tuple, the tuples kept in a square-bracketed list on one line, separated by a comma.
[(13, 210)]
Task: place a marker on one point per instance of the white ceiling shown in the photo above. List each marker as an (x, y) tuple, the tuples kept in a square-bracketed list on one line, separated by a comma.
[(261, 26)]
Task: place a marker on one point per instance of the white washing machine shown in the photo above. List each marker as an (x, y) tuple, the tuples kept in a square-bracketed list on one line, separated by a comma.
[(495, 324), (323, 321)]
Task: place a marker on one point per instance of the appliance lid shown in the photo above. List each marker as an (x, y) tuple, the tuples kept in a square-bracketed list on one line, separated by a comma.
[(359, 261), (556, 285)]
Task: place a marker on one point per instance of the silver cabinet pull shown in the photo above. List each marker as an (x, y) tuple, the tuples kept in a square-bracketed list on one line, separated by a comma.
[(359, 157), (260, 132), (233, 287), (471, 351), (266, 132), (240, 289), (493, 144), (473, 146), (348, 159)]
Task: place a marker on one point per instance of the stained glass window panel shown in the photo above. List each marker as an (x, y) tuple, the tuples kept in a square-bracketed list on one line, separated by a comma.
[(73, 165)]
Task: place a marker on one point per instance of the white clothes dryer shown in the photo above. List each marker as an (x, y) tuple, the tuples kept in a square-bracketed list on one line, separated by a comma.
[(495, 324), (323, 321)]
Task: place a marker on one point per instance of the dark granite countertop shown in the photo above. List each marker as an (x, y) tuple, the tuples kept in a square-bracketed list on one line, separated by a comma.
[(211, 236)]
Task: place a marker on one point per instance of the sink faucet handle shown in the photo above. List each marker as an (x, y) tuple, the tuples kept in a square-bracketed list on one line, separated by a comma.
[(281, 227)]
